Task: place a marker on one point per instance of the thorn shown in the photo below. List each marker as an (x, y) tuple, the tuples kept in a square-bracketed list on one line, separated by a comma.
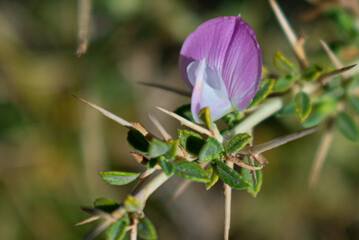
[(187, 123), (106, 113), (290, 34), (87, 220), (324, 78), (141, 129), (180, 92), (282, 140), (160, 128), (321, 154), (335, 60), (84, 12)]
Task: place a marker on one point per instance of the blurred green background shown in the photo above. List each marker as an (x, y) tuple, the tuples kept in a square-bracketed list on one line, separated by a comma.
[(52, 145)]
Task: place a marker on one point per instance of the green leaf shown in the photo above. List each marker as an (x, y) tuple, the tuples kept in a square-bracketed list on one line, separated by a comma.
[(191, 170), (344, 20), (172, 149), (205, 117), (312, 73), (131, 204), (137, 141), (152, 162), (263, 91), (354, 101), (303, 105), (321, 110), (146, 230), (287, 110), (283, 83), (185, 111), (212, 149), (353, 93), (253, 188), (119, 178), (157, 148), (229, 175), (213, 176), (238, 142), (346, 126), (283, 64), (192, 142), (333, 92), (166, 166), (105, 204), (117, 230)]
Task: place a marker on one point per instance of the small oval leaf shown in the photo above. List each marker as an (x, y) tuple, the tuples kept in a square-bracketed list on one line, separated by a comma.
[(283, 83), (191, 170), (166, 166), (146, 230), (213, 176), (229, 175), (137, 141), (254, 187), (263, 91), (105, 204), (238, 142), (116, 231), (157, 148), (303, 105), (354, 101), (212, 149), (283, 64), (346, 126), (190, 141), (119, 178)]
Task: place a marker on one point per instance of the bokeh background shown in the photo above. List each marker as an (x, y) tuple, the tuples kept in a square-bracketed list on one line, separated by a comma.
[(52, 145)]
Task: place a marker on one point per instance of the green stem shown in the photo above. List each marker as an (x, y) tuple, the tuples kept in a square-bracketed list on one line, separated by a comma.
[(265, 111)]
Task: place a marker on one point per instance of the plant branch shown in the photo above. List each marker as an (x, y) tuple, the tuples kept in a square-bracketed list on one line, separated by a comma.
[(227, 205), (266, 110), (134, 229)]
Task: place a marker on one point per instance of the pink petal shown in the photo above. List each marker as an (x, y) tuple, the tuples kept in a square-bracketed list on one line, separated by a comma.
[(229, 46)]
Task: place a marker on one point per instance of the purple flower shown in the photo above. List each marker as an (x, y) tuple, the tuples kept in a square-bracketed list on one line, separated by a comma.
[(222, 63)]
